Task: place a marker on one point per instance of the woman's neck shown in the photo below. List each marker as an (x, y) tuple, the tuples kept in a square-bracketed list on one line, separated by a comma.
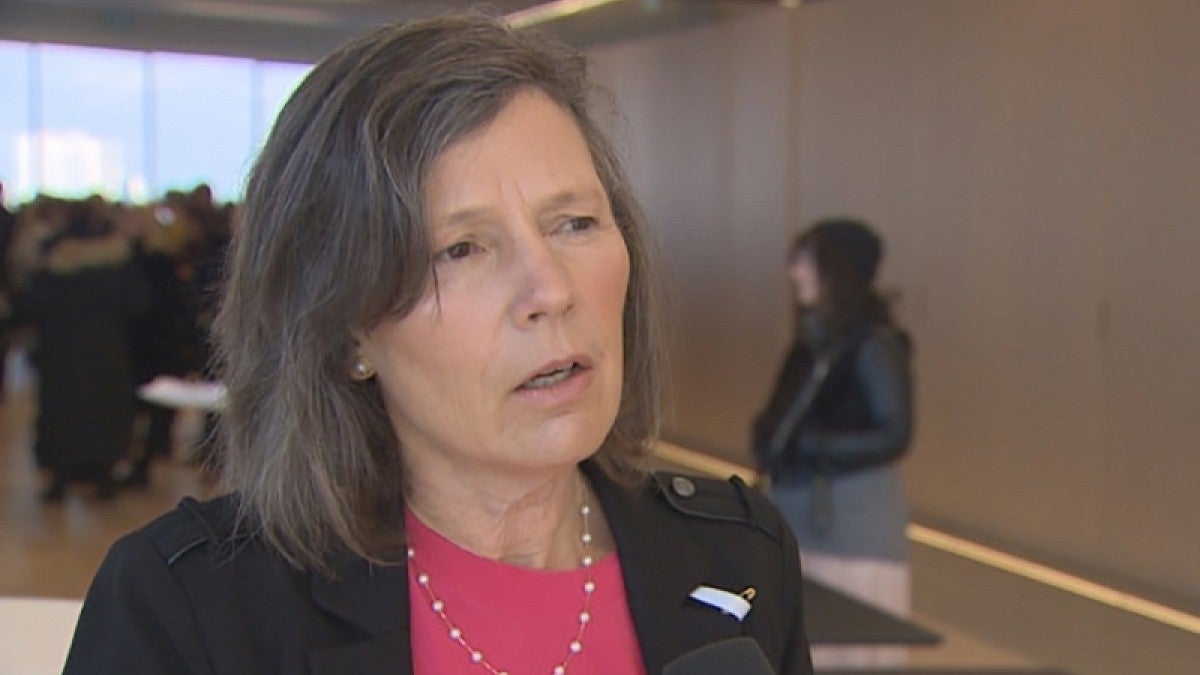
[(533, 523)]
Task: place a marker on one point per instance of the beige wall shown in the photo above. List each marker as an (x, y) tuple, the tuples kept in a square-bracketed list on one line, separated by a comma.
[(1035, 167), (707, 132)]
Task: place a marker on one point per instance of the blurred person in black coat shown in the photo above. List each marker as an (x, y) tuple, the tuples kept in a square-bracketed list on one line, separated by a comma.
[(838, 421), (82, 301), (164, 338)]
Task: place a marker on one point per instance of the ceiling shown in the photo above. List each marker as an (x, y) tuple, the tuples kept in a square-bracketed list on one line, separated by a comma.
[(304, 30)]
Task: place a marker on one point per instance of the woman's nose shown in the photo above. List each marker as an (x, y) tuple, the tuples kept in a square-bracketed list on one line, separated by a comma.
[(544, 286)]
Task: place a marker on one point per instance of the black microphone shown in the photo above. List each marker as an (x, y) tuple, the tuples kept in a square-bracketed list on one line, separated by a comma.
[(734, 656)]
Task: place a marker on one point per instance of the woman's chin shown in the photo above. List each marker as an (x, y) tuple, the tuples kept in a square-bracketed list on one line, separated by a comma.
[(564, 442)]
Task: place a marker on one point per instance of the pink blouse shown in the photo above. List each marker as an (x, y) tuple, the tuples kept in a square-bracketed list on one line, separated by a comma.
[(521, 620)]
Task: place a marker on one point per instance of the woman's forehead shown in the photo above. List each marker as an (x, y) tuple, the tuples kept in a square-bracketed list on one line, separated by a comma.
[(531, 152)]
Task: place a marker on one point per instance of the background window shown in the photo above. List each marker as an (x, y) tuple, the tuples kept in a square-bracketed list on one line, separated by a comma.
[(202, 126), (276, 82), (15, 121), (91, 128), (131, 125)]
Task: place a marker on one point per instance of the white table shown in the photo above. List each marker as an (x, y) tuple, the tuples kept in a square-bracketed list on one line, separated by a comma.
[(175, 392), (35, 634)]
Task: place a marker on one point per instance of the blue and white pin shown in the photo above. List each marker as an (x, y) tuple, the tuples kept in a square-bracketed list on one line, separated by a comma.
[(736, 605)]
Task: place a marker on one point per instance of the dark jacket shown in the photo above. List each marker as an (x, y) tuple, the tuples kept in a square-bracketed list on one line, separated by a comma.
[(164, 338), (83, 304), (861, 417), (169, 598)]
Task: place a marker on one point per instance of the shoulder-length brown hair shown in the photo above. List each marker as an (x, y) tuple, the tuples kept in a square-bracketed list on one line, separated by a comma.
[(848, 299), (333, 240)]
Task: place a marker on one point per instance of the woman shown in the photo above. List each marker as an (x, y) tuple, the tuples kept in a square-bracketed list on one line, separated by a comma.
[(82, 301), (436, 334), (839, 418)]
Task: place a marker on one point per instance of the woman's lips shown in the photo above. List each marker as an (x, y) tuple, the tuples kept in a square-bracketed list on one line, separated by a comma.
[(555, 372), (558, 381), (551, 377)]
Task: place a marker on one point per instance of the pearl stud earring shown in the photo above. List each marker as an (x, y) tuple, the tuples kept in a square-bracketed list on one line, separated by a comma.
[(363, 370)]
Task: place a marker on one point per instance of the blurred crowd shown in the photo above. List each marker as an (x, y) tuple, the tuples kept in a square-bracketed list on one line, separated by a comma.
[(103, 297)]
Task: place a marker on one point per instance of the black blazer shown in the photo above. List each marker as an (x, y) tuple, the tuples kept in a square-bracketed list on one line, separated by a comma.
[(170, 598)]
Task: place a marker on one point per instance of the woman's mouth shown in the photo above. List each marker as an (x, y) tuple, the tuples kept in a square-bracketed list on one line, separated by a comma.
[(551, 377)]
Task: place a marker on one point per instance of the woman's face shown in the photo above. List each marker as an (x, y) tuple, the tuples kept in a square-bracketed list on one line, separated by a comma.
[(513, 360), (805, 278)]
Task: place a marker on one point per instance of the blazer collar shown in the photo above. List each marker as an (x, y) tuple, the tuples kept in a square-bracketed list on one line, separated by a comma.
[(662, 562), (373, 599)]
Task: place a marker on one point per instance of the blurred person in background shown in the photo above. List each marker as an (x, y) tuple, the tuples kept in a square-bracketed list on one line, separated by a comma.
[(82, 295), (165, 339), (838, 419)]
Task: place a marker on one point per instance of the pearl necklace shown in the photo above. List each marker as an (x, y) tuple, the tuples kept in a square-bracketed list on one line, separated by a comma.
[(476, 656)]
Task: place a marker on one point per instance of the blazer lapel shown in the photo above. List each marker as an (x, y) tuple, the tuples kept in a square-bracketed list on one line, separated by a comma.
[(374, 600), (662, 563)]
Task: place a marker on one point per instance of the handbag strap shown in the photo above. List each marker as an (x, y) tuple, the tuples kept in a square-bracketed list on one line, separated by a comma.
[(804, 400)]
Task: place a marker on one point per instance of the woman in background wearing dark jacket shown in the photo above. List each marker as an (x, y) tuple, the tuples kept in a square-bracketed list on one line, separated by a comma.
[(82, 301), (838, 419)]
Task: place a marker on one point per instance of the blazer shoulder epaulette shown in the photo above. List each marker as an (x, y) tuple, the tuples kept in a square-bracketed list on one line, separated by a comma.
[(729, 501), (193, 526)]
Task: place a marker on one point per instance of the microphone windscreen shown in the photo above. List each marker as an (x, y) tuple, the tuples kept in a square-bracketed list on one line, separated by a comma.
[(734, 656)]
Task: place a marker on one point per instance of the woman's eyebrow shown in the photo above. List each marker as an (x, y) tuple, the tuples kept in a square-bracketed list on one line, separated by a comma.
[(461, 216), (570, 197), (586, 195)]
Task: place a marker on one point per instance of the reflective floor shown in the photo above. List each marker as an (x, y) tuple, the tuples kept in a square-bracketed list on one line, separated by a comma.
[(54, 549)]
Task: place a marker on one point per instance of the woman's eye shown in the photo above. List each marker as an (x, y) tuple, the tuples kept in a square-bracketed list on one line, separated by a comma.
[(579, 224), (457, 251)]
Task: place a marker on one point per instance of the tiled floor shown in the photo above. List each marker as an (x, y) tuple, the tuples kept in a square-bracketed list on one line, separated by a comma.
[(53, 550)]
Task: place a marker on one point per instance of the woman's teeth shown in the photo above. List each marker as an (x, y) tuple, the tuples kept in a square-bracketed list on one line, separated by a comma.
[(543, 381)]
